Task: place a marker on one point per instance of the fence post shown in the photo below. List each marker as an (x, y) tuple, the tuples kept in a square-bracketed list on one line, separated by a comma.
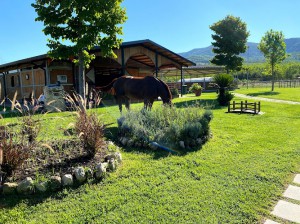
[(258, 106), (255, 107), (241, 106), (246, 104)]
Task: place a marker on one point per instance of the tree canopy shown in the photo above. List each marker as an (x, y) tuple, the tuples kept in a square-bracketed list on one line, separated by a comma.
[(76, 26), (273, 47), (230, 40)]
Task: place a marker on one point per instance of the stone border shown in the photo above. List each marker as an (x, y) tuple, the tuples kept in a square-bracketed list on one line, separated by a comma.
[(56, 183)]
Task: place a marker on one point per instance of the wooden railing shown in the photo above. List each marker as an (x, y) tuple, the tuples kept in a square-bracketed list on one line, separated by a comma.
[(244, 107)]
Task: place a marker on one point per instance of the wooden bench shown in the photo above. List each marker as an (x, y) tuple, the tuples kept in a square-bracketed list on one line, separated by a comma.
[(244, 107)]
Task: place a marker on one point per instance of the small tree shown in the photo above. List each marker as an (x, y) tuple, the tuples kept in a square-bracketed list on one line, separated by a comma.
[(82, 24), (273, 47), (230, 40), (223, 82)]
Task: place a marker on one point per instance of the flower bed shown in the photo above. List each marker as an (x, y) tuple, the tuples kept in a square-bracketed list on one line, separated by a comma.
[(172, 127)]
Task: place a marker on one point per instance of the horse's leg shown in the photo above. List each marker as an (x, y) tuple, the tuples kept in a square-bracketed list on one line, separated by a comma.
[(146, 104), (119, 102), (127, 103), (151, 103)]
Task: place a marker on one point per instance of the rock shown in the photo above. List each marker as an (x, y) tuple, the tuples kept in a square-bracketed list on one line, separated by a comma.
[(88, 173), (41, 187), (100, 170), (80, 174), (130, 143), (55, 183), (199, 141), (9, 188), (110, 143), (117, 156), (153, 145), (124, 141), (67, 180), (26, 186), (112, 164), (181, 144)]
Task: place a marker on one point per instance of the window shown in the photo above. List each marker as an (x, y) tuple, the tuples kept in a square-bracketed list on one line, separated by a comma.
[(62, 78)]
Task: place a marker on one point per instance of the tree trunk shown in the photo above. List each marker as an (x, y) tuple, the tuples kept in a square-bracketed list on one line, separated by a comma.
[(273, 77), (81, 78)]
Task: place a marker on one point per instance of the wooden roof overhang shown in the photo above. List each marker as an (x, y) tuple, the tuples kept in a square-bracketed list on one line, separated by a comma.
[(24, 63), (195, 70), (154, 47), (140, 58)]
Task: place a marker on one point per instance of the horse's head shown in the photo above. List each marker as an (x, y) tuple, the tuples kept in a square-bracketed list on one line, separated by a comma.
[(165, 94), (167, 101)]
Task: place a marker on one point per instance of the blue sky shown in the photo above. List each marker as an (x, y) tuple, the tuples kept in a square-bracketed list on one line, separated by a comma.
[(179, 25)]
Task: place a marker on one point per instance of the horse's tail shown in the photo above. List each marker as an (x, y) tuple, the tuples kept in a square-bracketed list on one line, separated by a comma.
[(167, 89), (108, 88)]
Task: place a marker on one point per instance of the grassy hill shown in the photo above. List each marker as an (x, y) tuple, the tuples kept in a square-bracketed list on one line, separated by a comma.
[(203, 55)]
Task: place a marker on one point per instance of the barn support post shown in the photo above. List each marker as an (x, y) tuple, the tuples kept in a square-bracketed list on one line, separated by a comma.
[(123, 60), (21, 84), (181, 77), (33, 83), (4, 84), (47, 76), (156, 64)]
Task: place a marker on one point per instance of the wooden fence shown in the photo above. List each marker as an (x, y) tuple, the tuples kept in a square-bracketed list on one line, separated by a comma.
[(244, 107)]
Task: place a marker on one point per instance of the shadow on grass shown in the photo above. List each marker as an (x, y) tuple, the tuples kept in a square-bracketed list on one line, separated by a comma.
[(10, 201), (268, 93)]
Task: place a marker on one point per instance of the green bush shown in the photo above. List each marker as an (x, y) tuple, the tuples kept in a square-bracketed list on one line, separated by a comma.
[(174, 92), (167, 126), (224, 82)]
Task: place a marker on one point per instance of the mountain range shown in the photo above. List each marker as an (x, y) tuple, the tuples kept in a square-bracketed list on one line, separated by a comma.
[(252, 55)]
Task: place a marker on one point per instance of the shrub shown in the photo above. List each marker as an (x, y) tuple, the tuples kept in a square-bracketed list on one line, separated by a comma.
[(174, 92), (224, 82), (91, 132), (167, 126), (88, 126), (13, 156)]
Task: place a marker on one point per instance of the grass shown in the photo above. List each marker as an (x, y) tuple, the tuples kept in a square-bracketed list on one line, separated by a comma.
[(236, 177), (292, 94)]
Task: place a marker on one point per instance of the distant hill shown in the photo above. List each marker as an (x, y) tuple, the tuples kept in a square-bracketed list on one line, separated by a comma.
[(203, 55)]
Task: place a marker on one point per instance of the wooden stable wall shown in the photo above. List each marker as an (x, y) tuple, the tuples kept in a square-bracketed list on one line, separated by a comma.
[(68, 86), (26, 83)]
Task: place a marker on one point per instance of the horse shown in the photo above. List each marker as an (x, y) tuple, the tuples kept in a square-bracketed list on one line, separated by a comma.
[(146, 88)]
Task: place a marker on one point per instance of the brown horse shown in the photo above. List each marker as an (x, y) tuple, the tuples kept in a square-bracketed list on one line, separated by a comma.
[(146, 88)]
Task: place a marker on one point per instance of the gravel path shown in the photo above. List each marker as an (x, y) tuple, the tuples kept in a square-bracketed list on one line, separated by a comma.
[(266, 99)]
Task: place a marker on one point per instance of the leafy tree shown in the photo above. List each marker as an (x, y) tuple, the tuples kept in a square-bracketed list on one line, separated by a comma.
[(273, 47), (76, 26), (230, 40)]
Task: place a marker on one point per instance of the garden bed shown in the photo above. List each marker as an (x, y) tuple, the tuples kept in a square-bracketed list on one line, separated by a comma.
[(55, 158)]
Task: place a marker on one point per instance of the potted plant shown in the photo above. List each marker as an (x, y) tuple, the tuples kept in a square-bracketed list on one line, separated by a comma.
[(196, 88)]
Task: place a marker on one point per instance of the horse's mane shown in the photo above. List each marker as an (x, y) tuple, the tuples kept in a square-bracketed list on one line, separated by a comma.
[(166, 87)]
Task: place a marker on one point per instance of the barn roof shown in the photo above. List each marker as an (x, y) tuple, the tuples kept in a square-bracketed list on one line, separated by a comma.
[(148, 44)]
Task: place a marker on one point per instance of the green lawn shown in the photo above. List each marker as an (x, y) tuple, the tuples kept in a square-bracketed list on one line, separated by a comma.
[(292, 94), (236, 177)]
